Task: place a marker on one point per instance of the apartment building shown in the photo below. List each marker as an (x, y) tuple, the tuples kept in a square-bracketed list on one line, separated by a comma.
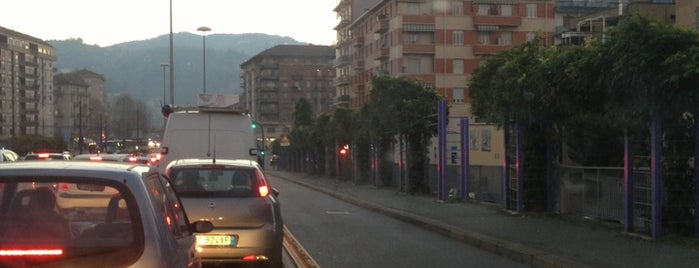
[(275, 79), (438, 43), (81, 105), (26, 85), (687, 12)]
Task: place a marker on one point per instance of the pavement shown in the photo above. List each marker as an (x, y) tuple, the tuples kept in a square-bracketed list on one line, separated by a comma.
[(538, 240)]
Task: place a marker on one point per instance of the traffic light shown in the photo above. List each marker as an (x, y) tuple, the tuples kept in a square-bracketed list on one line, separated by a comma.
[(254, 125), (343, 151)]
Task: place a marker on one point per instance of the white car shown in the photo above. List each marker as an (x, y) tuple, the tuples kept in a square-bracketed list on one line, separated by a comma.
[(93, 214)]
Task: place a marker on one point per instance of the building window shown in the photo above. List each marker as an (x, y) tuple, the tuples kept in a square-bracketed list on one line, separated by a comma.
[(484, 38), (506, 10), (458, 37), (458, 66), (531, 11), (483, 10), (457, 8), (413, 66), (458, 95), (531, 36), (409, 38), (505, 38), (414, 8)]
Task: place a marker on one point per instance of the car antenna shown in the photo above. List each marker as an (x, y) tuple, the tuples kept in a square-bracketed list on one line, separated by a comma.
[(214, 158), (208, 135)]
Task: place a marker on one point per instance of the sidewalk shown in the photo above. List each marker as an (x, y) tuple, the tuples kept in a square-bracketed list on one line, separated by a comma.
[(537, 240)]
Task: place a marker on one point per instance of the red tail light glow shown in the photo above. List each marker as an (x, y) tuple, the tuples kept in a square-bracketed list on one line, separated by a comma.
[(63, 186), (96, 158), (264, 190), (31, 252)]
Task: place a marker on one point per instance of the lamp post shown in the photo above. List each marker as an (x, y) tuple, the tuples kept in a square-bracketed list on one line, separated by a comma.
[(172, 63), (204, 29), (164, 65)]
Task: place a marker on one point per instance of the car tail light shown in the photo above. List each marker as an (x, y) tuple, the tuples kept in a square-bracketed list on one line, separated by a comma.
[(133, 159), (255, 258), (36, 252), (43, 155), (263, 190), (95, 158), (63, 186)]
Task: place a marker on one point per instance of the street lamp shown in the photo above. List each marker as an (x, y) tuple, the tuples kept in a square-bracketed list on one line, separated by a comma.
[(204, 29), (164, 65)]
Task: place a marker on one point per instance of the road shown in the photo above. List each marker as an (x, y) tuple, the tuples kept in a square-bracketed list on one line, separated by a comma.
[(339, 234)]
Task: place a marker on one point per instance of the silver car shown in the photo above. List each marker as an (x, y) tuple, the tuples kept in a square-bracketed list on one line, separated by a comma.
[(237, 198), (92, 214)]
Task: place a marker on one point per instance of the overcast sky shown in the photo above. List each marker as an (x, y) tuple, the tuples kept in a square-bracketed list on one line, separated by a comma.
[(108, 22)]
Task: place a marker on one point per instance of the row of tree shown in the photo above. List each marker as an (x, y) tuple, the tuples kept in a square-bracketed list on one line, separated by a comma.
[(584, 100), (400, 111)]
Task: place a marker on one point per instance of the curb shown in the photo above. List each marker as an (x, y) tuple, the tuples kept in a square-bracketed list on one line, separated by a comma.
[(515, 251)]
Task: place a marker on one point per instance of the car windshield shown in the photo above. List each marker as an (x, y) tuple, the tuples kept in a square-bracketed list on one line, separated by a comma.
[(205, 182), (67, 221)]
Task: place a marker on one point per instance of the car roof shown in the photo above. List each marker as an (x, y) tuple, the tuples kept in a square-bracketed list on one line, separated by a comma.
[(107, 157), (95, 169), (209, 161)]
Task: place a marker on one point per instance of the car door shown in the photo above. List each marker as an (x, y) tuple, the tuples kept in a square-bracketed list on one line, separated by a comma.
[(183, 249)]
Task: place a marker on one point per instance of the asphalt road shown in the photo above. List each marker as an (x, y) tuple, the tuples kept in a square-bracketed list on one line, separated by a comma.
[(339, 234)]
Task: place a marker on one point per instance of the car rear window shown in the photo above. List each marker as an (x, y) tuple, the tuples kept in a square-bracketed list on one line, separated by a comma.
[(215, 182), (68, 222)]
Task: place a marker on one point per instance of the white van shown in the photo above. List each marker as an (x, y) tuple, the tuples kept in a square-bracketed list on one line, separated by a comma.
[(203, 132)]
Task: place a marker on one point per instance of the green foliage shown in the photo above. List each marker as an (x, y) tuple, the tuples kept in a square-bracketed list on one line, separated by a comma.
[(35, 143)]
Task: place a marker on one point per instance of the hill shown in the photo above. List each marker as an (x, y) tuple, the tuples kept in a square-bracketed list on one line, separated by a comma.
[(134, 67)]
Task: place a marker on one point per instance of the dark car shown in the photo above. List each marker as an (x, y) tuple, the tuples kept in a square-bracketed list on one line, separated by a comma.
[(80, 214), (237, 198)]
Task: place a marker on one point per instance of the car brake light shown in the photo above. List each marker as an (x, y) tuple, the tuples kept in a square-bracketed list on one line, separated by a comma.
[(263, 190), (43, 155), (95, 158), (31, 252), (63, 186), (133, 159)]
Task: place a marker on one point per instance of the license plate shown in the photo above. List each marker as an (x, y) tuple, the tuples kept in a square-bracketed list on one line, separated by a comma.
[(216, 240)]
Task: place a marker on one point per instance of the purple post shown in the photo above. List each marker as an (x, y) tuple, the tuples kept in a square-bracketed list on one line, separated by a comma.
[(655, 177), (506, 166), (519, 164), (628, 186), (465, 189), (696, 178), (442, 133)]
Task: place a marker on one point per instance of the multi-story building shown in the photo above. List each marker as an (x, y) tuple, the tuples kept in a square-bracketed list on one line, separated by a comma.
[(687, 14), (81, 105), (438, 43), (26, 85), (273, 80)]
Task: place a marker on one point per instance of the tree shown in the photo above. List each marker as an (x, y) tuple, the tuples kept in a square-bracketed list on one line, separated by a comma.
[(130, 118), (402, 108)]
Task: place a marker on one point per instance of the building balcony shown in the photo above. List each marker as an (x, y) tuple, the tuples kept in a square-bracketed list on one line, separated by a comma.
[(358, 65), (418, 49), (382, 54), (268, 77), (343, 23), (342, 100), (32, 123), (489, 49), (381, 26), (507, 21), (341, 61), (341, 80), (268, 89), (34, 87), (269, 65), (358, 41)]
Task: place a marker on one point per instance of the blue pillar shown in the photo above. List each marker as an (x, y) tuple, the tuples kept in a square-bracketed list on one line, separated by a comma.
[(655, 177), (465, 168), (442, 133), (628, 186)]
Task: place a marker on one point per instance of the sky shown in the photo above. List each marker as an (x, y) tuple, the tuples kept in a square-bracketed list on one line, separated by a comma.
[(109, 22)]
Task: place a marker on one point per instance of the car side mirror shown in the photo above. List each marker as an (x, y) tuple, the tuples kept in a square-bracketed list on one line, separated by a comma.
[(275, 192), (163, 150), (201, 226), (253, 151)]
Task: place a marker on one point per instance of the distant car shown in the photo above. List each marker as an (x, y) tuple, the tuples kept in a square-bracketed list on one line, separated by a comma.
[(80, 214), (237, 198), (47, 156), (8, 155), (112, 157)]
